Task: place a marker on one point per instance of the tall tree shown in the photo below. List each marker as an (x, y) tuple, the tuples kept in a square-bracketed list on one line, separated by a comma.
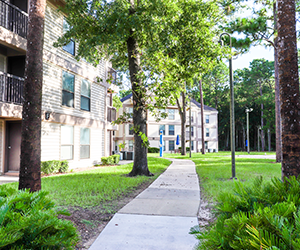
[(30, 166), (289, 88), (190, 51), (258, 28), (134, 33), (202, 118)]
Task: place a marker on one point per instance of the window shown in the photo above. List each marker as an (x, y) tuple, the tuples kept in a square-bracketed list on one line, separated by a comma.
[(171, 145), (67, 142), (162, 113), (192, 145), (130, 111), (68, 89), (84, 143), (70, 47), (130, 145), (207, 119), (130, 129), (207, 132), (193, 116), (85, 95), (206, 144), (171, 130), (171, 113), (162, 127), (164, 145), (192, 131)]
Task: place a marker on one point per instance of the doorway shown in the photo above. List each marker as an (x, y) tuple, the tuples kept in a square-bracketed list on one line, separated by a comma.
[(13, 145)]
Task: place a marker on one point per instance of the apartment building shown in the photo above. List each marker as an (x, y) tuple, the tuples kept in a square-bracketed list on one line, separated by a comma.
[(171, 127), (76, 107)]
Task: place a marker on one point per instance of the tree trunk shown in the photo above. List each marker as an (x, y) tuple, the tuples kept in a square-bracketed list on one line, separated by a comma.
[(140, 165), (182, 113), (289, 88), (202, 118), (262, 120), (277, 98), (227, 141), (244, 138), (30, 164)]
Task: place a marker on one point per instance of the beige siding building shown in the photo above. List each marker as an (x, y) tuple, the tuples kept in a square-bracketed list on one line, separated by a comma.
[(76, 107), (171, 126)]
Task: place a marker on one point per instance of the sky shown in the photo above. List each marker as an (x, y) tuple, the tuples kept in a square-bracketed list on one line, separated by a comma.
[(257, 52)]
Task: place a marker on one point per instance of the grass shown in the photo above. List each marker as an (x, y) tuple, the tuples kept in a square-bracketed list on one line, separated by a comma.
[(214, 170), (93, 187)]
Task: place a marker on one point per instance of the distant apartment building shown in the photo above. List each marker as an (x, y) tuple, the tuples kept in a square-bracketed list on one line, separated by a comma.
[(76, 108), (171, 127)]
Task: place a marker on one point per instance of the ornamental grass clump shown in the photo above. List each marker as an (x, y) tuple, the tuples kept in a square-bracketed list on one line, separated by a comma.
[(30, 221), (263, 216)]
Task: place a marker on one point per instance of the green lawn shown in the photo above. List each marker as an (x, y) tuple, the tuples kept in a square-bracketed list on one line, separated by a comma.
[(94, 187), (214, 170)]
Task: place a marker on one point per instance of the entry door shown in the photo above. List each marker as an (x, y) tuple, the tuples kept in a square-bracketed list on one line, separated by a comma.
[(13, 145)]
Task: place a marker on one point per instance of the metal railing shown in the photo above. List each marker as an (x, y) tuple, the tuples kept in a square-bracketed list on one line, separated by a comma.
[(13, 18), (11, 88), (111, 114)]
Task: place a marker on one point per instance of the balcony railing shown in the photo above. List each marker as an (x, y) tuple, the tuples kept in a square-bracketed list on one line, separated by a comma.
[(13, 18), (11, 88), (111, 114)]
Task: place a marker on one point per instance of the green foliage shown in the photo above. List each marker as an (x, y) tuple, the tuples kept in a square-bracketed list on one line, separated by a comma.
[(107, 160), (153, 150), (261, 216), (116, 102), (116, 158), (29, 221), (55, 166)]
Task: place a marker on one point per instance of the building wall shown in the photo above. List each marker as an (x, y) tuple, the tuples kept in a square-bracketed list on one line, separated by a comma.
[(56, 60), (153, 126)]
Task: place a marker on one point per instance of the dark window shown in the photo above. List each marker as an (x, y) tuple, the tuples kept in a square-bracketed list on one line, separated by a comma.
[(70, 47), (68, 89), (207, 119), (162, 127), (171, 145), (85, 95), (130, 129), (171, 130), (130, 145), (192, 145), (207, 132)]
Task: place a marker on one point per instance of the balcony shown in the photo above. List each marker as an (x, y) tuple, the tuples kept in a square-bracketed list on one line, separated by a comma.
[(13, 18), (11, 88), (111, 114)]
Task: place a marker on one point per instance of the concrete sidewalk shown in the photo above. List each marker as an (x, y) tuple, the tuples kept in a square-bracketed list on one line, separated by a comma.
[(160, 217), (8, 178)]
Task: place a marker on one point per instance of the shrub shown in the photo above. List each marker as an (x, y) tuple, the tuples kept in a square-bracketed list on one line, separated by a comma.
[(64, 166), (187, 149), (29, 221), (257, 217), (116, 158), (153, 150), (55, 166), (107, 160)]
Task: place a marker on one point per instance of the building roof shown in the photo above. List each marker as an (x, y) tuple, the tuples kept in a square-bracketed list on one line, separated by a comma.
[(126, 97), (207, 108)]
